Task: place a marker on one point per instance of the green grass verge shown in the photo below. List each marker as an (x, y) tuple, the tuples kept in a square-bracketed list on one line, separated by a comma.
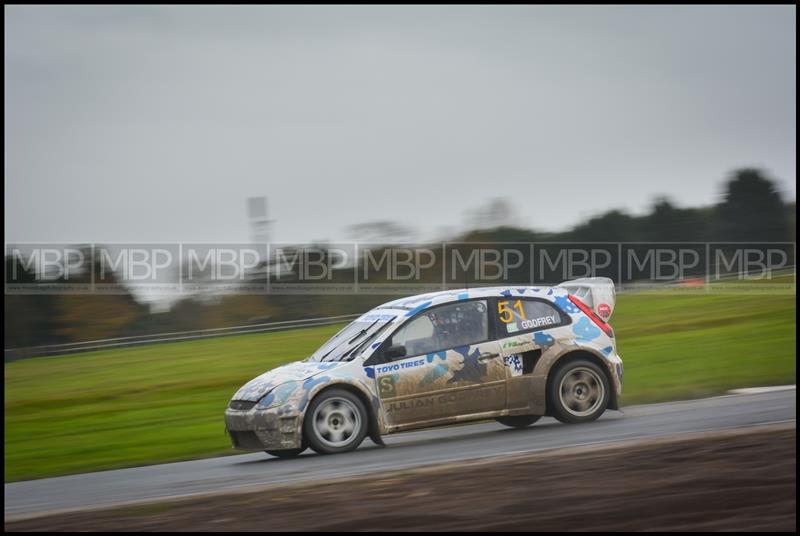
[(160, 403)]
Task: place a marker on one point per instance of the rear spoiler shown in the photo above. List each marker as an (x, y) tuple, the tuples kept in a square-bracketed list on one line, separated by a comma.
[(596, 292)]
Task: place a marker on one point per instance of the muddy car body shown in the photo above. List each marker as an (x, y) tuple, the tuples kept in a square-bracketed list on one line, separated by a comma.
[(509, 353)]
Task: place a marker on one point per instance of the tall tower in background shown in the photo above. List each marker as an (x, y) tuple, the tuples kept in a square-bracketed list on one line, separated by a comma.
[(258, 216)]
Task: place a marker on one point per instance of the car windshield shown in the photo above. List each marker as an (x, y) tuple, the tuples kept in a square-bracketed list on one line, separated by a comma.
[(356, 335)]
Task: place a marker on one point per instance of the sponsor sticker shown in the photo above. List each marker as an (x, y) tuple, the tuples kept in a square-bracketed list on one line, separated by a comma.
[(400, 365), (387, 386), (548, 320), (514, 364)]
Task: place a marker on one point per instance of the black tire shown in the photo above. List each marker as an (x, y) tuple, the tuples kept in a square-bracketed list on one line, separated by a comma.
[(289, 453), (518, 421), (328, 418), (579, 391)]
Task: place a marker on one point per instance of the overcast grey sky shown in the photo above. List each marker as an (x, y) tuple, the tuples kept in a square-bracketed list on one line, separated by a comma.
[(155, 123)]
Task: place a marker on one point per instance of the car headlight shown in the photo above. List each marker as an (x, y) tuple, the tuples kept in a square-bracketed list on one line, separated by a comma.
[(278, 395)]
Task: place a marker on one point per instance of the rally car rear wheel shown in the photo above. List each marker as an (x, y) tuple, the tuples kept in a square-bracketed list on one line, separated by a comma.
[(579, 392), (518, 421), (336, 421)]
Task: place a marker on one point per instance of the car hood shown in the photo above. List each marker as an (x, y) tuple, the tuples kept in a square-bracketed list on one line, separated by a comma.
[(256, 388)]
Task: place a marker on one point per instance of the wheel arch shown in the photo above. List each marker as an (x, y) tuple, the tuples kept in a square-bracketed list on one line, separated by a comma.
[(582, 353), (373, 430)]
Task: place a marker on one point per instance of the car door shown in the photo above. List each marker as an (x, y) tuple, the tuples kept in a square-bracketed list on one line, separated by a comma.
[(451, 367), (526, 327)]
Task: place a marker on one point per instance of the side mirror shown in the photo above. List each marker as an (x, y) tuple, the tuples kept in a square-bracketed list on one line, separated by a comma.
[(395, 350)]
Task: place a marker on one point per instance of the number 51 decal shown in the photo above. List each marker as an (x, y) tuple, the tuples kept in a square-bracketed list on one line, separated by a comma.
[(506, 313)]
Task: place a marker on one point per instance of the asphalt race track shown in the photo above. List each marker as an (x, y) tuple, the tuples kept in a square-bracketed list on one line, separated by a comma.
[(412, 449)]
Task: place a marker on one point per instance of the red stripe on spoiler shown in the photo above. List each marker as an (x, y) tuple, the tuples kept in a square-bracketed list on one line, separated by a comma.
[(602, 324)]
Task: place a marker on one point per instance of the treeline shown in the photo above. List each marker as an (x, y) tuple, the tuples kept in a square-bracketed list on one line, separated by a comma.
[(750, 209)]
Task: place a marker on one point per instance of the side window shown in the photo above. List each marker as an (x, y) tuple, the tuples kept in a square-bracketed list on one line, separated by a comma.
[(520, 315), (445, 327), (418, 332)]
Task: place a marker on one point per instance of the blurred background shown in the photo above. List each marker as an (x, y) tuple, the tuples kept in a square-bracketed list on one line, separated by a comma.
[(384, 125)]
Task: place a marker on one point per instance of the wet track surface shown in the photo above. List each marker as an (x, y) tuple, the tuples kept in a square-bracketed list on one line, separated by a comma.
[(413, 449)]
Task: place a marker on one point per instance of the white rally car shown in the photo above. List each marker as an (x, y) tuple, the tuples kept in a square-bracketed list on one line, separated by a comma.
[(509, 353)]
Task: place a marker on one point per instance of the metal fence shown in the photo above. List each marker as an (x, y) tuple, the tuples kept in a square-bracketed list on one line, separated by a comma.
[(14, 354)]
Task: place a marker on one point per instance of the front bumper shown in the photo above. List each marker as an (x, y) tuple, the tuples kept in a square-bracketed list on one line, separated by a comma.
[(264, 429)]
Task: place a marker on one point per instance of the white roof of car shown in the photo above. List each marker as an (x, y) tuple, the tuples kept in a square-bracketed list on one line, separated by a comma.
[(423, 301)]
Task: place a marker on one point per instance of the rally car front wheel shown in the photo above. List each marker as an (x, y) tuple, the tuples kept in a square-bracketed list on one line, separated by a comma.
[(579, 391), (336, 421)]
